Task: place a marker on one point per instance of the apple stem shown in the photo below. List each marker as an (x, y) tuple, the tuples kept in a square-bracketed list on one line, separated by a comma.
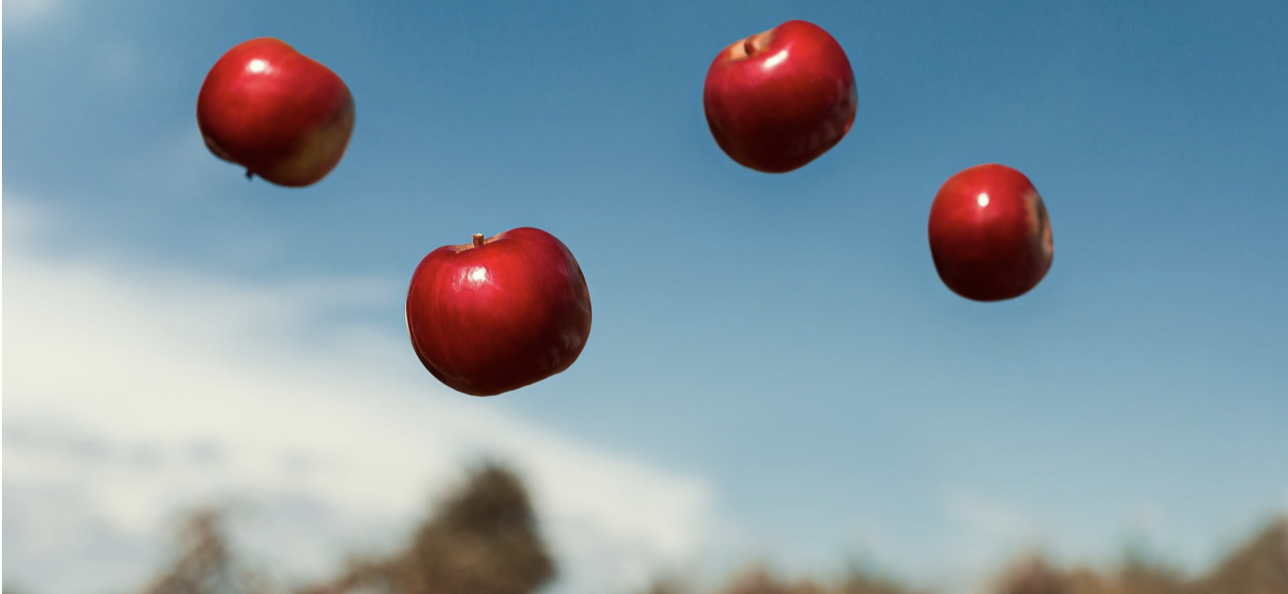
[(478, 240), (249, 175), (749, 46)]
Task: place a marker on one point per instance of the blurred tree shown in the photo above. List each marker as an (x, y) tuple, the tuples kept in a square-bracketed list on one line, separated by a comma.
[(1258, 567), (1034, 576), (759, 580), (861, 580), (204, 564), (1142, 576), (483, 540)]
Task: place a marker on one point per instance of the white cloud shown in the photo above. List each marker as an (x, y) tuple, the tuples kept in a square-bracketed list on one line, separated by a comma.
[(133, 392)]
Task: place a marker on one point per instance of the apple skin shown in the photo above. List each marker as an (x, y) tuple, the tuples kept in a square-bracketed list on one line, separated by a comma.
[(777, 100), (280, 114), (990, 236), (498, 314)]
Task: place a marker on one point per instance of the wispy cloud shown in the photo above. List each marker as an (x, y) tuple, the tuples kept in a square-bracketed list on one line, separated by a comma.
[(27, 12), (134, 391), (987, 533)]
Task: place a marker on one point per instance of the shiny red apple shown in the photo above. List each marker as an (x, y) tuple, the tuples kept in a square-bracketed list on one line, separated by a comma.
[(990, 236), (779, 99), (280, 114), (500, 313)]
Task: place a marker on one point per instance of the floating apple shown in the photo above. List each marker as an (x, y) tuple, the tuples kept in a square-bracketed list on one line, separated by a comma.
[(500, 313), (990, 236), (276, 112), (779, 99)]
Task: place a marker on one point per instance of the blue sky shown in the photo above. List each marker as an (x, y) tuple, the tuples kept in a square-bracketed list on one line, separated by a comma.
[(774, 355)]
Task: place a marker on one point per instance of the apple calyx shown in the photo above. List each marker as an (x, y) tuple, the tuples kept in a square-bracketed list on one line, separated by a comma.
[(478, 240), (250, 175)]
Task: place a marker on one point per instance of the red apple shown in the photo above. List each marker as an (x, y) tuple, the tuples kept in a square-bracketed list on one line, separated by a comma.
[(990, 236), (276, 112), (779, 99), (499, 313)]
